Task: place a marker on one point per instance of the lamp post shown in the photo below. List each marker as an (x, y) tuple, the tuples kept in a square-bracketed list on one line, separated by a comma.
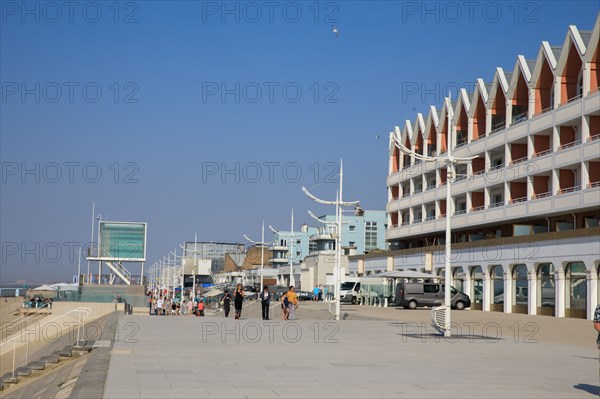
[(262, 253), (339, 204), (291, 260), (450, 162)]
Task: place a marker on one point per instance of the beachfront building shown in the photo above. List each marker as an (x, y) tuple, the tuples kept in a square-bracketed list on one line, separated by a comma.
[(364, 231), (526, 211)]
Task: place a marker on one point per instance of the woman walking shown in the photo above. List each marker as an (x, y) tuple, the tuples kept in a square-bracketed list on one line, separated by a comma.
[(226, 303), (238, 298)]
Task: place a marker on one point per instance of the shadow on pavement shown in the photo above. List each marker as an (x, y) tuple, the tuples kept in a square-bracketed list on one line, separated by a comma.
[(593, 389)]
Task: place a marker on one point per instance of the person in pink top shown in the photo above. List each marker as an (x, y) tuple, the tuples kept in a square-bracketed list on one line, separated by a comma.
[(190, 307)]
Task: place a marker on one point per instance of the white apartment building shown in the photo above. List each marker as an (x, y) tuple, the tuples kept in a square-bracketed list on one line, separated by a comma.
[(526, 211)]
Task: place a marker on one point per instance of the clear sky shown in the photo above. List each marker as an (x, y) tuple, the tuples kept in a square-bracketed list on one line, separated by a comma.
[(208, 117)]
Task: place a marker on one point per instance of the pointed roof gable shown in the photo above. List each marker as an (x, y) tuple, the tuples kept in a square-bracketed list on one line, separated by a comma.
[(521, 68), (545, 54), (481, 91)]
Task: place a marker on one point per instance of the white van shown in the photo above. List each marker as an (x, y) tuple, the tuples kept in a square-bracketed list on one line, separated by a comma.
[(352, 290)]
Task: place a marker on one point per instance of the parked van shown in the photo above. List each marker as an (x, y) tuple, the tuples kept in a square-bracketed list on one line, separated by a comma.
[(355, 289), (413, 295)]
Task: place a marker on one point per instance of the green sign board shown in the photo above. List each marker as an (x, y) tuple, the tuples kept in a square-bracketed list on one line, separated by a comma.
[(122, 241)]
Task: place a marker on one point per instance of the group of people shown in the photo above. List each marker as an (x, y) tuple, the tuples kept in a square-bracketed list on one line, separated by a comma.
[(160, 306), (319, 292), (38, 302), (289, 303)]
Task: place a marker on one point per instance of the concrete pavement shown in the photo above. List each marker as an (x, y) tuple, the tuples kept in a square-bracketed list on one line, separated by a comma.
[(214, 357)]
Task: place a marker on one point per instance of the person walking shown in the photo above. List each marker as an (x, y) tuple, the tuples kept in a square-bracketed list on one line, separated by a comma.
[(159, 307), (238, 299), (316, 293), (190, 306), (285, 305), (226, 302), (293, 298), (265, 301)]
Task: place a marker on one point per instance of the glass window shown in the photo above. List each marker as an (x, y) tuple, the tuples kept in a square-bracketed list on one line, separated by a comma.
[(546, 291), (520, 293), (497, 276), (477, 284), (431, 288), (576, 286), (370, 235), (352, 228)]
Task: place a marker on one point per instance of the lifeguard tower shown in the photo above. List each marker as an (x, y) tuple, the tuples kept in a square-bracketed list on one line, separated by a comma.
[(119, 243)]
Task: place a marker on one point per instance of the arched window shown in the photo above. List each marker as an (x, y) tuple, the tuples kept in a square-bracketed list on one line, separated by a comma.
[(497, 277), (459, 279), (520, 288), (576, 286), (546, 293), (476, 287)]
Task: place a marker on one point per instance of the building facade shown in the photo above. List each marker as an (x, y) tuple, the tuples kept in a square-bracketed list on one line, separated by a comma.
[(532, 189)]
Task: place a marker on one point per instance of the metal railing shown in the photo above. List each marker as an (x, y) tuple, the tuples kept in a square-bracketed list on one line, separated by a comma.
[(517, 200), (568, 190), (438, 318), (568, 145), (541, 195), (542, 153), (33, 315), (82, 314), (516, 161), (594, 184), (545, 110), (594, 137), (478, 208)]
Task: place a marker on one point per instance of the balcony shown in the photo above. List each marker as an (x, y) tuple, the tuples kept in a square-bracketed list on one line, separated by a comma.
[(430, 218), (541, 195), (542, 153), (496, 204), (460, 143), (516, 119), (568, 190), (593, 185), (517, 200), (516, 161), (460, 212), (568, 145), (498, 127), (542, 112), (405, 223), (477, 209)]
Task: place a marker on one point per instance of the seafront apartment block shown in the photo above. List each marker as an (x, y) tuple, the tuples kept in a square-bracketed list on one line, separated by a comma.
[(526, 211)]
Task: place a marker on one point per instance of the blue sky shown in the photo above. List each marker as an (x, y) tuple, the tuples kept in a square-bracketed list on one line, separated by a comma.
[(141, 106)]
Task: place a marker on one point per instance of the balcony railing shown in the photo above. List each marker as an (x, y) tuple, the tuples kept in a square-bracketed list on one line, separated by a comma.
[(460, 212), (429, 218), (541, 195), (593, 184), (461, 142), (477, 138), (417, 221), (478, 208), (595, 137), (516, 119), (479, 172), (498, 127), (406, 223), (459, 177), (430, 187), (568, 190), (517, 200), (542, 153), (418, 191), (545, 110), (442, 217), (396, 198), (495, 167), (393, 226), (572, 99), (568, 145), (497, 204), (516, 161)]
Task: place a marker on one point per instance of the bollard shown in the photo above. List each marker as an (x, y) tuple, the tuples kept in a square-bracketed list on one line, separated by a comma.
[(385, 303)]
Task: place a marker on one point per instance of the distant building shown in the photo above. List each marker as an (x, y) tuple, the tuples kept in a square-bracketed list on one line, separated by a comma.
[(215, 252), (364, 231)]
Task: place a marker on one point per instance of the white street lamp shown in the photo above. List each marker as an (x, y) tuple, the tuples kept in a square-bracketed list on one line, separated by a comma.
[(450, 162), (262, 253), (339, 204), (291, 260)]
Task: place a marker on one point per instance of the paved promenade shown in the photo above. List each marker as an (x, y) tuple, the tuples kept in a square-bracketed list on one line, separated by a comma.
[(214, 357)]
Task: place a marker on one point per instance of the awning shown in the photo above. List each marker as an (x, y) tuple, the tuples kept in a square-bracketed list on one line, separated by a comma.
[(405, 274)]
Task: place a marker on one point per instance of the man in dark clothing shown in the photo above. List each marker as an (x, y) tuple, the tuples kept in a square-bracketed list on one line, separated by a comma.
[(226, 302), (265, 301)]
